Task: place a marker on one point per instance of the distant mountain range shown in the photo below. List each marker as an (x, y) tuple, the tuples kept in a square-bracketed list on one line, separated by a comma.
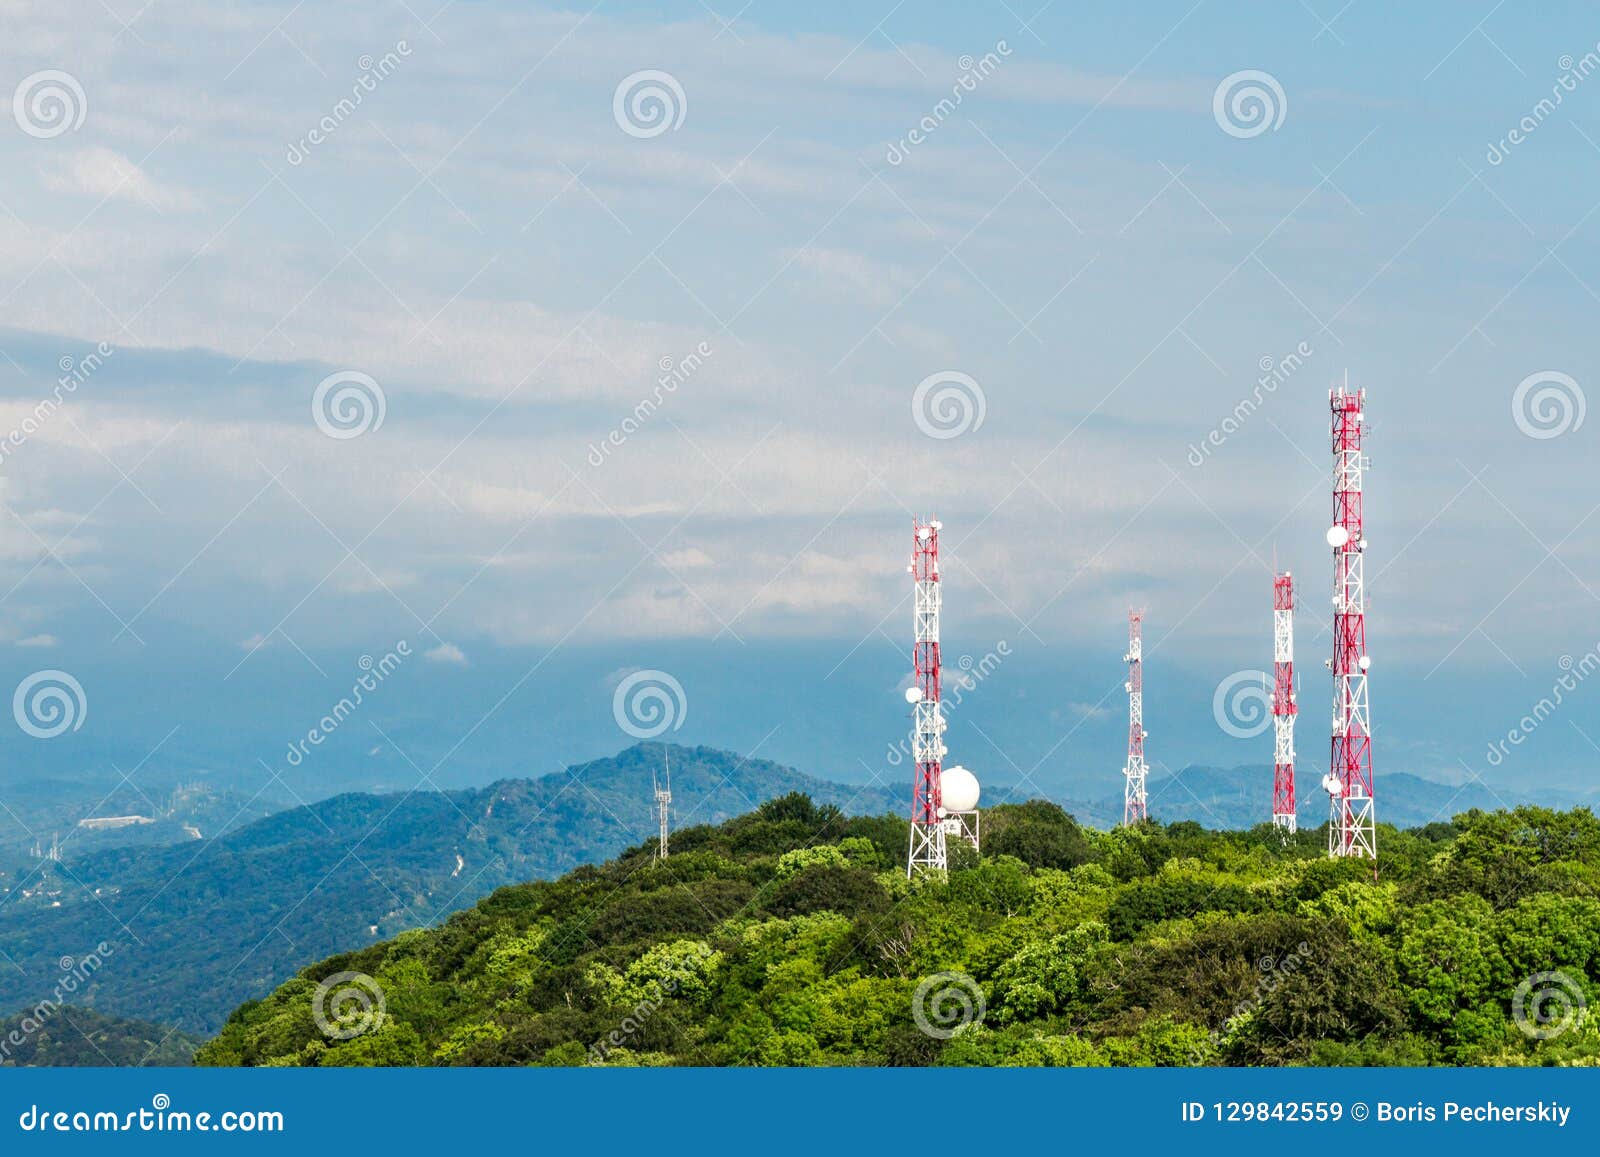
[(201, 925), (1240, 797)]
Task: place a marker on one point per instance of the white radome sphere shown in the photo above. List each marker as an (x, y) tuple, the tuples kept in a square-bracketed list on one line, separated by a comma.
[(913, 694), (958, 789)]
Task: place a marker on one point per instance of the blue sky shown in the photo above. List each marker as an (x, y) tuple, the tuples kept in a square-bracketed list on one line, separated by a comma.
[(484, 242)]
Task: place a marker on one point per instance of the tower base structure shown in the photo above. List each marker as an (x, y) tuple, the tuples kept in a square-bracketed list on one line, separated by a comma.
[(1352, 827), (928, 853), (964, 826)]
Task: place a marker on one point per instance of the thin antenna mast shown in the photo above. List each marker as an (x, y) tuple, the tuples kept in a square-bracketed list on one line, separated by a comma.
[(1284, 707), (1134, 807), (663, 802)]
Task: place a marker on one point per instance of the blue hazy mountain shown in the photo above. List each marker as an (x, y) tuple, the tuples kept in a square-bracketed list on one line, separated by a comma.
[(1051, 717), (196, 927)]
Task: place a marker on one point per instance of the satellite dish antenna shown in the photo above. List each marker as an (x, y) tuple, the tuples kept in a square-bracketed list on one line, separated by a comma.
[(913, 694), (1338, 537)]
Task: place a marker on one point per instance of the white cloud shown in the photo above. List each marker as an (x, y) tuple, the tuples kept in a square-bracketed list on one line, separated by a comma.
[(108, 175), (689, 558), (38, 641), (447, 653)]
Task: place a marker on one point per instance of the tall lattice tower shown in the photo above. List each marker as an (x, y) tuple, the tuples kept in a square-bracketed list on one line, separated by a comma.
[(928, 725), (1134, 807), (663, 797), (1284, 707), (1351, 817)]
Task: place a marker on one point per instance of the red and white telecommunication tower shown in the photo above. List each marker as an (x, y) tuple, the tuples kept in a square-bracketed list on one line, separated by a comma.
[(928, 724), (1351, 817), (1284, 708), (1134, 808)]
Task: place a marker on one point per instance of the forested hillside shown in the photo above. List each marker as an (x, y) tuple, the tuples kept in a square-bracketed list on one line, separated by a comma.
[(790, 936), (205, 924), (69, 1037)]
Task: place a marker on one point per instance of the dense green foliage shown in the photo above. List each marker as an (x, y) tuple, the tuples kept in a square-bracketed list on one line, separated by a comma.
[(68, 1037), (790, 936)]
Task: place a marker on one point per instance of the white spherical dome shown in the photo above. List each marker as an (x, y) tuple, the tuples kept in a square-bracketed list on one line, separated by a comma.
[(958, 789), (913, 694), (1338, 537)]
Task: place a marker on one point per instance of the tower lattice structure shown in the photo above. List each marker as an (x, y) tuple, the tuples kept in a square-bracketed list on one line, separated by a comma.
[(663, 797), (1352, 818), (927, 852), (1134, 805), (1284, 708)]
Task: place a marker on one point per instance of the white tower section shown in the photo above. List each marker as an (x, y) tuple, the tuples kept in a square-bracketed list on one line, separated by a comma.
[(1134, 806), (663, 797)]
